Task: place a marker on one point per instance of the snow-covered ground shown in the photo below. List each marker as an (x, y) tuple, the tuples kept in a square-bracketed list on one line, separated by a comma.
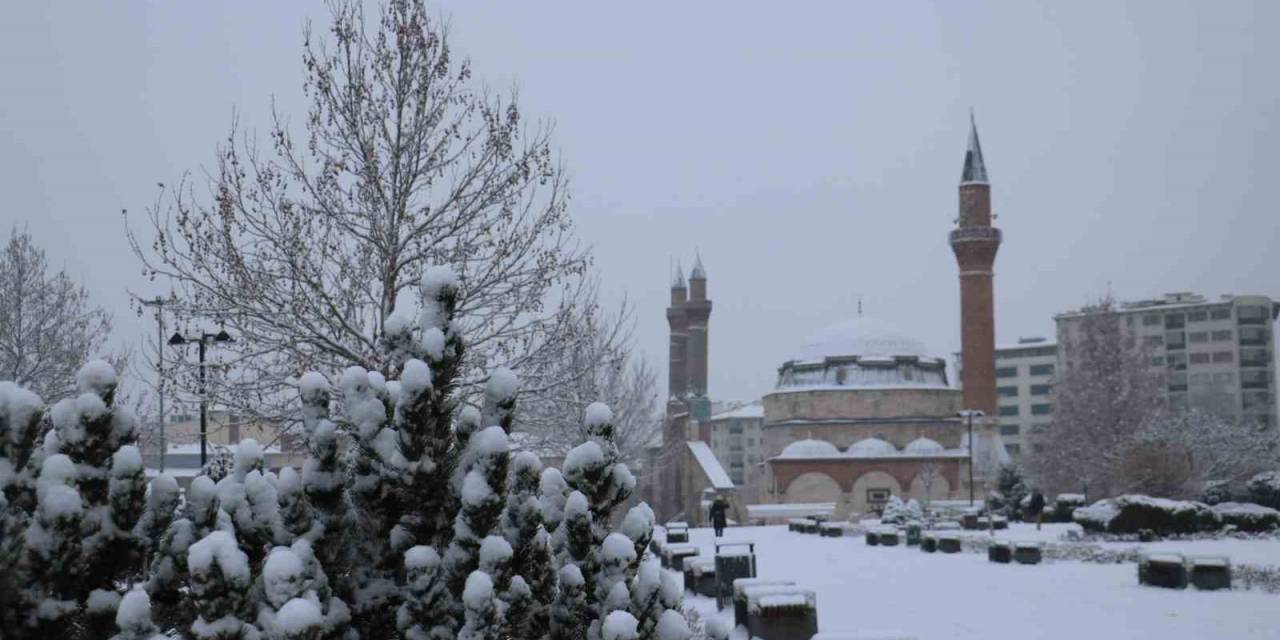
[(902, 591)]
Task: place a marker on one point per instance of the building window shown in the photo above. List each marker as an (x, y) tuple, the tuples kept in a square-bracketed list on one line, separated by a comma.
[(1197, 337), (1199, 358), (1040, 389), (1253, 336), (1255, 357), (1009, 430), (1223, 356), (877, 496), (1175, 321), (735, 428), (1041, 409), (1013, 449), (1222, 336), (1175, 340), (1007, 372), (1155, 341), (1157, 361), (1255, 400), (1254, 379), (1251, 315), (1197, 316), (1220, 313), (1151, 320), (1007, 392), (1041, 369), (1009, 410), (1178, 382)]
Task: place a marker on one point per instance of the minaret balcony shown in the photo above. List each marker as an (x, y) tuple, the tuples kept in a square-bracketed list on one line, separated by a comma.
[(976, 234)]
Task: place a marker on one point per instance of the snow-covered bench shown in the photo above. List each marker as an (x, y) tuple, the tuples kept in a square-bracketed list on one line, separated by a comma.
[(1210, 573), (740, 598), (1168, 570), (889, 536), (700, 576), (781, 612), (1028, 552), (677, 532), (949, 542), (1000, 551), (673, 555)]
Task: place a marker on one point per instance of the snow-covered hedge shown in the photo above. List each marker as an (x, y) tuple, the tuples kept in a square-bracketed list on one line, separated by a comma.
[(1264, 489), (1247, 517), (1132, 513), (1065, 505)]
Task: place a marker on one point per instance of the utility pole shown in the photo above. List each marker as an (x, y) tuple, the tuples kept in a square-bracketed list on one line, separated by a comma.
[(158, 303)]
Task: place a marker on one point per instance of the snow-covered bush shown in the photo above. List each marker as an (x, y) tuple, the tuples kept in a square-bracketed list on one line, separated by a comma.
[(1132, 513), (1216, 491), (1264, 489), (1247, 517), (1065, 505), (895, 511)]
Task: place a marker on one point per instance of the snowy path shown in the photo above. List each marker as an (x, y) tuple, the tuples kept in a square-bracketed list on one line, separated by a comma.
[(903, 591)]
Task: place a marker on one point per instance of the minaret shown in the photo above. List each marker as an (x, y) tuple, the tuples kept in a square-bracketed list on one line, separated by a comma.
[(678, 370), (975, 243), (697, 312)]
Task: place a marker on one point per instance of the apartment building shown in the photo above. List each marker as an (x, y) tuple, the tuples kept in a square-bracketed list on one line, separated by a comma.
[(1218, 354), (1024, 381), (735, 440)]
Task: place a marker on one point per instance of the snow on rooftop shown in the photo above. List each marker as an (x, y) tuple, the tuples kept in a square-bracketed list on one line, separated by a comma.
[(710, 465), (749, 410), (861, 336)]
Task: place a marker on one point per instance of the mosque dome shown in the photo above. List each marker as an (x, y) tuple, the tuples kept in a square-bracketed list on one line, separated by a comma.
[(871, 448), (810, 449), (859, 336), (862, 353), (923, 447)]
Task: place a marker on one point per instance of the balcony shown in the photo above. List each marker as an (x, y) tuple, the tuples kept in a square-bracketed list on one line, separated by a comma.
[(976, 234)]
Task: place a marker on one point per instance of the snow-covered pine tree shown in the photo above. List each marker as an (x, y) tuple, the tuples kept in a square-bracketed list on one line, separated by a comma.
[(133, 618), (483, 498), (299, 605), (894, 511), (80, 545), (249, 496), (322, 475), (167, 581), (21, 412), (608, 562), (531, 544), (161, 509), (221, 589)]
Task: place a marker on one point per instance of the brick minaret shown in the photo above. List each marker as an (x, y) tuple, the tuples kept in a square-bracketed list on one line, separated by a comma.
[(677, 319), (698, 311), (975, 243)]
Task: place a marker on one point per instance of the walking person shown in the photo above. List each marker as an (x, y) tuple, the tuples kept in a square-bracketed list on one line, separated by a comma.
[(719, 511), (1036, 508)]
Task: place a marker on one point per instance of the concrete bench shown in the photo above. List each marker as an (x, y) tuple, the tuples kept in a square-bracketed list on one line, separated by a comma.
[(674, 555), (700, 576), (735, 559), (949, 543), (929, 543), (831, 529), (872, 537), (740, 598), (889, 537), (677, 532), (1000, 551), (1167, 570), (1210, 573), (781, 613), (1028, 552)]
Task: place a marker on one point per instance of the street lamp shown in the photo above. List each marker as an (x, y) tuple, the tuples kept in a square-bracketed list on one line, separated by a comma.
[(178, 340), (970, 414)]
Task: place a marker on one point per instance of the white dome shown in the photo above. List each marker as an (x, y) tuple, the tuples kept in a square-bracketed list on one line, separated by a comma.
[(871, 448), (923, 447), (859, 337), (810, 449)]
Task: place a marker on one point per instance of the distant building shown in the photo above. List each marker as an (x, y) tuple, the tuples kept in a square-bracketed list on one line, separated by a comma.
[(1024, 380), (736, 439), (1218, 354)]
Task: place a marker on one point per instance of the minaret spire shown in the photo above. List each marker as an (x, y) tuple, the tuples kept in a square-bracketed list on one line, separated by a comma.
[(975, 170), (677, 280), (698, 270)]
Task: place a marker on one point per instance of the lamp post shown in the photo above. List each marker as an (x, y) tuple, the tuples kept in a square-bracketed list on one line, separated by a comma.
[(202, 340), (970, 414)]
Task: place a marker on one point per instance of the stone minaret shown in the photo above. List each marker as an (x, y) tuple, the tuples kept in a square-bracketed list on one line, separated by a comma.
[(678, 372), (975, 243), (697, 311)]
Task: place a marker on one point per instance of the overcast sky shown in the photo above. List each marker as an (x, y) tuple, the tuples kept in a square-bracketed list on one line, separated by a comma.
[(809, 150)]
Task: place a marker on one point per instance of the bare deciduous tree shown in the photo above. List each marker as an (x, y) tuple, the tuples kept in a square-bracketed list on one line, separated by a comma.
[(598, 365), (1105, 393), (48, 328), (305, 249), (1177, 455)]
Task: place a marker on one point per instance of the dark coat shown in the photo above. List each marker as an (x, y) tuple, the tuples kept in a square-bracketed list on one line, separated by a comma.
[(719, 510), (1037, 504)]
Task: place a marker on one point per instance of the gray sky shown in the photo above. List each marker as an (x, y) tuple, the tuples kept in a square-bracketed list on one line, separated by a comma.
[(811, 150)]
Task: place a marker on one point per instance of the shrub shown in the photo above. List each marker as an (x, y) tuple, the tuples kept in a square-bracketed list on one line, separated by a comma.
[(1064, 507), (1247, 517), (1215, 492), (1264, 489), (1131, 513)]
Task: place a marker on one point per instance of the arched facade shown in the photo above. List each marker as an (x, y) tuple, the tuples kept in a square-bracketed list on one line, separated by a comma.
[(813, 486)]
